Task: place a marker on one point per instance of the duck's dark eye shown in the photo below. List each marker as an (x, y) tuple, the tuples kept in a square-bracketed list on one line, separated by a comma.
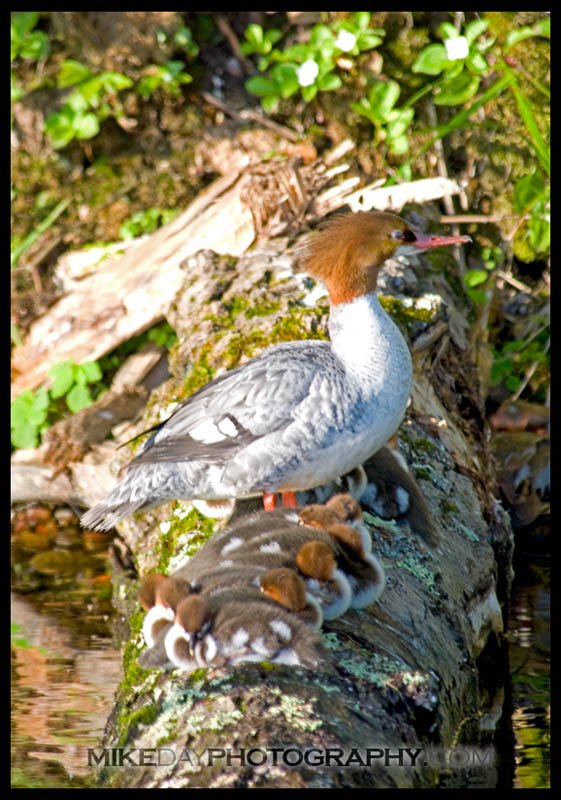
[(403, 236)]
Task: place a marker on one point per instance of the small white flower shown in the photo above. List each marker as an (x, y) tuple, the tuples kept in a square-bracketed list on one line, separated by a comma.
[(456, 48), (345, 40), (165, 526), (307, 72)]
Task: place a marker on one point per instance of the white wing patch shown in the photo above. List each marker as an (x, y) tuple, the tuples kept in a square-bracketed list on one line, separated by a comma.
[(227, 427), (234, 543), (270, 547), (207, 432), (281, 629)]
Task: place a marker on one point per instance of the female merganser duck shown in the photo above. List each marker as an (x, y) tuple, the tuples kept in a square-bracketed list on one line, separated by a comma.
[(303, 412), (221, 631)]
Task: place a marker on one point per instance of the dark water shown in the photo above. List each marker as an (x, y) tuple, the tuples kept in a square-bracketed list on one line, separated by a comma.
[(66, 666)]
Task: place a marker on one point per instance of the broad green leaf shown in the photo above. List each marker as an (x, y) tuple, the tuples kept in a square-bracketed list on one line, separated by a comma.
[(476, 63), (383, 97), (474, 277), (321, 36), (459, 90), (86, 126), (254, 36), (399, 145), (475, 28), (367, 41), (527, 190), (72, 72), (25, 436), (35, 46), (20, 407), (448, 31), (539, 234), (261, 86), (23, 22), (78, 397), (147, 85), (309, 92), (115, 81), (270, 104), (364, 109), (63, 374), (362, 19), (297, 52), (329, 82), (432, 60), (92, 370)]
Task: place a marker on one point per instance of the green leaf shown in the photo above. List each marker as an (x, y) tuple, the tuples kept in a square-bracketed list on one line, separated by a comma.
[(309, 92), (362, 19), (92, 371), (297, 52), (527, 191), (477, 64), (447, 31), (25, 436), (273, 35), (35, 46), (321, 37), (542, 28), (20, 407), (364, 109), (474, 29), (399, 145), (86, 126), (539, 234), (474, 277), (367, 41), (147, 85), (78, 397), (432, 60), (270, 104), (63, 374), (540, 147), (383, 97), (459, 90), (329, 82), (255, 37), (22, 22), (512, 383), (115, 81), (72, 72), (261, 86)]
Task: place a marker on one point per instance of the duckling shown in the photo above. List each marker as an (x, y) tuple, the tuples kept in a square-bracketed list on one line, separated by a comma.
[(392, 493), (164, 593), (220, 631), (288, 589)]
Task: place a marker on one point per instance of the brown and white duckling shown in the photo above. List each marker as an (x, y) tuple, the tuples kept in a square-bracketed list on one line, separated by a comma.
[(323, 579), (341, 508), (218, 631), (160, 595), (288, 589), (362, 569), (391, 492)]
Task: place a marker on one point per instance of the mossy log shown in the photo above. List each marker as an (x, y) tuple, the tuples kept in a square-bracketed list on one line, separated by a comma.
[(422, 669)]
